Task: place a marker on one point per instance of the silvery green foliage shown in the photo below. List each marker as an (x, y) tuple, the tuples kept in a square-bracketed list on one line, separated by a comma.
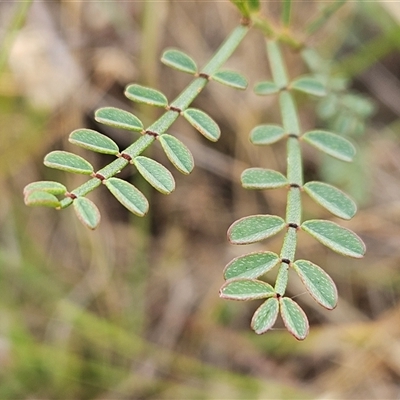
[(243, 274), (55, 195)]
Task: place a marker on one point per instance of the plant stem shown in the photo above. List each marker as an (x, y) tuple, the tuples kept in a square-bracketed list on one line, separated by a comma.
[(287, 4), (167, 119), (294, 165), (323, 16)]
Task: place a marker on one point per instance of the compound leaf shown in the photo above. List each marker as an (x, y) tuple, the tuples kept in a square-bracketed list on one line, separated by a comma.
[(87, 212), (265, 316), (246, 289), (143, 94), (94, 141), (266, 134), (265, 88), (334, 236), (318, 283), (179, 60), (128, 195), (332, 144), (156, 174), (118, 118), (203, 123), (309, 85), (46, 186), (251, 265), (41, 198), (260, 178), (230, 78), (66, 161), (254, 228), (333, 199), (177, 153), (294, 318)]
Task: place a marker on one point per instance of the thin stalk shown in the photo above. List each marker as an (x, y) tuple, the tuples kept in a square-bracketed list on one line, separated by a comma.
[(286, 11), (294, 165), (168, 118), (323, 16), (11, 33)]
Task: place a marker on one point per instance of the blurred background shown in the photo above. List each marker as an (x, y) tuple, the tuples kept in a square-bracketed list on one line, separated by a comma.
[(131, 310)]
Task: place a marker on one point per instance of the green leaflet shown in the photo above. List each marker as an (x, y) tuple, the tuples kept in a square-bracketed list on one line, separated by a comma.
[(45, 186), (230, 78), (142, 94), (128, 195), (260, 178), (337, 238), (254, 228), (179, 60), (94, 141), (177, 153), (41, 198), (266, 88), (331, 144), (246, 289), (294, 318), (251, 265), (69, 162), (156, 174), (118, 118), (333, 199), (266, 134), (309, 85), (87, 212), (265, 316), (318, 283), (203, 123)]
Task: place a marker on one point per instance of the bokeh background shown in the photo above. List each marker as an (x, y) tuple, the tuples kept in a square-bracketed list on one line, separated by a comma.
[(131, 310)]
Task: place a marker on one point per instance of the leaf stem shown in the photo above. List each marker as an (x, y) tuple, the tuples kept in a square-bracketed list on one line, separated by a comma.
[(323, 16), (287, 4), (294, 164), (168, 118)]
